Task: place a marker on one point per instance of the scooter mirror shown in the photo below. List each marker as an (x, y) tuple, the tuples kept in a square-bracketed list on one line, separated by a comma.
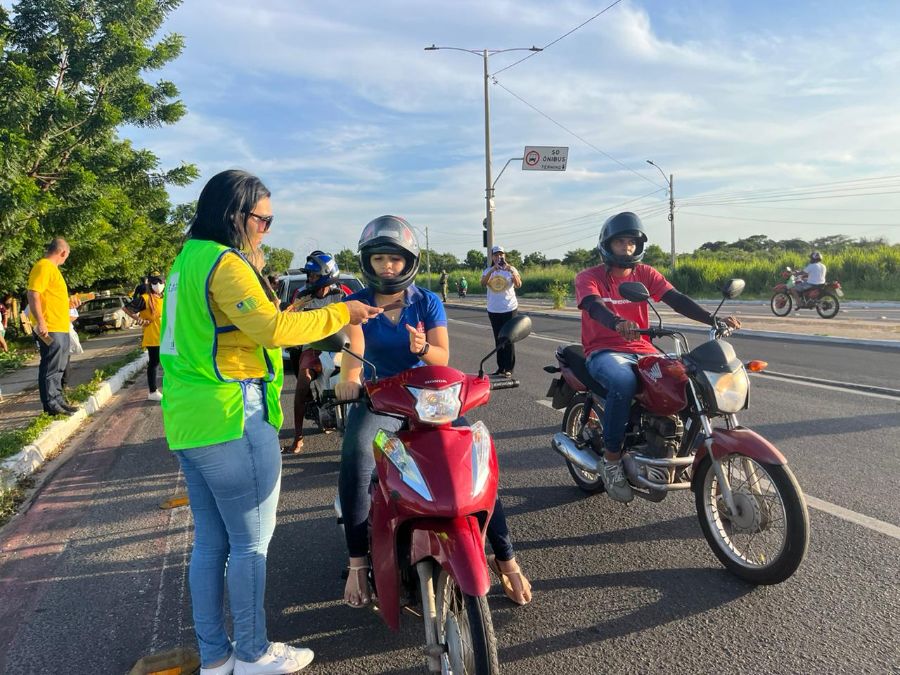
[(733, 288), (332, 343), (517, 328), (634, 291)]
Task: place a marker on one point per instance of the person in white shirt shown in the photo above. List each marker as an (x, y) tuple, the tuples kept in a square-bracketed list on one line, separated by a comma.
[(814, 276), (501, 281)]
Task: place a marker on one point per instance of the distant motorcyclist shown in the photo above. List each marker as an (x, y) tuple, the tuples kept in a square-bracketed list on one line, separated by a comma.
[(609, 325), (813, 275), (322, 288)]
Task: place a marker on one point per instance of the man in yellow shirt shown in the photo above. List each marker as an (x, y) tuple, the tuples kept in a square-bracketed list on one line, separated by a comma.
[(48, 300)]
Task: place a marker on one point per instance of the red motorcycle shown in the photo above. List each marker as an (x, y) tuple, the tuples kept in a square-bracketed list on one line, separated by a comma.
[(751, 509), (824, 298), (433, 493)]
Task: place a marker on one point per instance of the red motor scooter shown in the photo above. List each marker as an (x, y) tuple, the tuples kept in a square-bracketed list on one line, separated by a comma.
[(433, 493)]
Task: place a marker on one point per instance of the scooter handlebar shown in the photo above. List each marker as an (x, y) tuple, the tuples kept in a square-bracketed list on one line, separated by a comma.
[(504, 384)]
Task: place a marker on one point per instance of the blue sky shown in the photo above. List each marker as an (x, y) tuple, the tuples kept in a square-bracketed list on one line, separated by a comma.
[(764, 112)]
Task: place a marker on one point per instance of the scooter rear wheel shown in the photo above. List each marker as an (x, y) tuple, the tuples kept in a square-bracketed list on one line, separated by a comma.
[(767, 539), (465, 630), (572, 427)]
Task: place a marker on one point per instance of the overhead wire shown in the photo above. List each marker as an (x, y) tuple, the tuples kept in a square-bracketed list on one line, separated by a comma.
[(561, 37)]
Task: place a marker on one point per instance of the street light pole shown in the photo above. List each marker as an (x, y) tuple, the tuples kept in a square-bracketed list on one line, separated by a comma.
[(488, 186), (670, 182)]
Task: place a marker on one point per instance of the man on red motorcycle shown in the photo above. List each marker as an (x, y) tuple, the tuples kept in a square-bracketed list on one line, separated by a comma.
[(609, 326), (322, 288), (813, 275), (411, 332)]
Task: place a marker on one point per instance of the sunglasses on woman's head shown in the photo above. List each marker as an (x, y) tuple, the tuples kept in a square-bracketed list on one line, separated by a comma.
[(267, 220)]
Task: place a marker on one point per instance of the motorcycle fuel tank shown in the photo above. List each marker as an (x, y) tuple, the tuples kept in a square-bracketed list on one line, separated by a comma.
[(662, 381)]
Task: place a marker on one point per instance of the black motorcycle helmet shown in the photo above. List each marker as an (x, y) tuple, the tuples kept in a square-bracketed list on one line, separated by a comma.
[(319, 262), (625, 224), (815, 257), (388, 234)]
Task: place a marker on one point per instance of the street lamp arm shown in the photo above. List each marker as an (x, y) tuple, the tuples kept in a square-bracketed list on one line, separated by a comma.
[(480, 52), (511, 159), (650, 161)]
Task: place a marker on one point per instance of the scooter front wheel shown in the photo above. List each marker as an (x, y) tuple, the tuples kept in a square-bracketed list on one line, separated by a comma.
[(766, 539), (465, 630)]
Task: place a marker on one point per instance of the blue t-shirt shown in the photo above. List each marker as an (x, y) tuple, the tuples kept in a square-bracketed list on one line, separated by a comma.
[(387, 344)]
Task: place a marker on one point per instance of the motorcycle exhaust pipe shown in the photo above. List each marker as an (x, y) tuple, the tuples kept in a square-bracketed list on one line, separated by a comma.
[(566, 447)]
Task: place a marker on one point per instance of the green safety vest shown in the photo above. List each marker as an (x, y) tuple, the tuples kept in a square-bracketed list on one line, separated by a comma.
[(202, 406)]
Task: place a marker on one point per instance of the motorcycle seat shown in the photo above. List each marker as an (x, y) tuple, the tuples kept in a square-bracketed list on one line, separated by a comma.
[(573, 355)]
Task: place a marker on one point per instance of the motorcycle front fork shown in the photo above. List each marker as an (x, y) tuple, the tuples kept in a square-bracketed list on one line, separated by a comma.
[(433, 648)]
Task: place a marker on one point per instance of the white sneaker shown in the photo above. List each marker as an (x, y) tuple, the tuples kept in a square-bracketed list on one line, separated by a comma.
[(616, 483), (155, 395), (226, 668), (278, 659)]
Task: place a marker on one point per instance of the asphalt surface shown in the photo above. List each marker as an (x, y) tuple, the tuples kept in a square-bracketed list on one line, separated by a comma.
[(93, 575)]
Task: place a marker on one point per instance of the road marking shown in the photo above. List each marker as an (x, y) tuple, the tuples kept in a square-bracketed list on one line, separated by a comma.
[(831, 387), (843, 390), (814, 502), (852, 517)]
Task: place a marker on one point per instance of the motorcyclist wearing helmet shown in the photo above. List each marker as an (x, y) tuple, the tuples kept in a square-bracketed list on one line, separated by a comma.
[(411, 332), (322, 288), (813, 275), (609, 325)]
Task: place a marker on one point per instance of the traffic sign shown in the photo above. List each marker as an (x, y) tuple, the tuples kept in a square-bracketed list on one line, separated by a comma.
[(545, 158)]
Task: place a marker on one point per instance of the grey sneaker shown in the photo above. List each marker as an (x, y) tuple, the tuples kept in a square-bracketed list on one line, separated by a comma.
[(617, 486), (278, 659)]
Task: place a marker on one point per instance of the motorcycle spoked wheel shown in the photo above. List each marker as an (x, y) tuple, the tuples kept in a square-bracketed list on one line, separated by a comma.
[(765, 542), (782, 303), (828, 306), (465, 630), (588, 481)]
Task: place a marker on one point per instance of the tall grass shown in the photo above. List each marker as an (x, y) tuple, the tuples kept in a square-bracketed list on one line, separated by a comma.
[(864, 274)]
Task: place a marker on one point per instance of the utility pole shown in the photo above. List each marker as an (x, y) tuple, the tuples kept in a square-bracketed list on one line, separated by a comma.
[(488, 186), (670, 182), (672, 217)]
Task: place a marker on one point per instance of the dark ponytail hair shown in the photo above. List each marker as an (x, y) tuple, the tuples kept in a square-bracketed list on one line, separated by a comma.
[(223, 207)]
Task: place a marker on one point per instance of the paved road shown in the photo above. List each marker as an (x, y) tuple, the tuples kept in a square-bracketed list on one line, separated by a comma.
[(94, 573)]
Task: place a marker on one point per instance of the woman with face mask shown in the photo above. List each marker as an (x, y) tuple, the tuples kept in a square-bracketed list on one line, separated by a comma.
[(146, 310)]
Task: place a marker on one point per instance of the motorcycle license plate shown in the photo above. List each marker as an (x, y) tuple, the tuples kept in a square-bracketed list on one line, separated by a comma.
[(839, 292)]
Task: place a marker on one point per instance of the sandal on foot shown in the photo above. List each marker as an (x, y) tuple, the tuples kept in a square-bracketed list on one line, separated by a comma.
[(361, 590), (520, 595), (295, 448)]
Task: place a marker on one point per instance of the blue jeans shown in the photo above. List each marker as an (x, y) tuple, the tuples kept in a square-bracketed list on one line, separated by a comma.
[(54, 359), (357, 464), (233, 489), (615, 371)]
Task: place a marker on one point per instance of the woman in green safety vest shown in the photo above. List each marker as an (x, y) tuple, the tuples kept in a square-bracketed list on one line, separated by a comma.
[(222, 334)]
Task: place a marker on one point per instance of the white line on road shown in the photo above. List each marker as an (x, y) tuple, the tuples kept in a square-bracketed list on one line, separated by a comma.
[(833, 509)]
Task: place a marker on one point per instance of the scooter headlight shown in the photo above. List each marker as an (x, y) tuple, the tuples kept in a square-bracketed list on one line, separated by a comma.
[(481, 457), (437, 406), (392, 448), (730, 389)]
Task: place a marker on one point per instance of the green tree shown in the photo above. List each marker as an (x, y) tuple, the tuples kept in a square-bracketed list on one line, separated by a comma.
[(535, 259), (70, 75), (347, 261), (656, 257), (476, 259), (278, 260), (579, 259), (514, 258)]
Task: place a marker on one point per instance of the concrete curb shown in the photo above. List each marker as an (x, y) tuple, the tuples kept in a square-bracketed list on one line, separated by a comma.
[(32, 456)]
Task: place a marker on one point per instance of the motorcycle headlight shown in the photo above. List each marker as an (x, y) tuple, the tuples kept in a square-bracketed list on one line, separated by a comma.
[(481, 457), (392, 448), (437, 406), (729, 389)]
